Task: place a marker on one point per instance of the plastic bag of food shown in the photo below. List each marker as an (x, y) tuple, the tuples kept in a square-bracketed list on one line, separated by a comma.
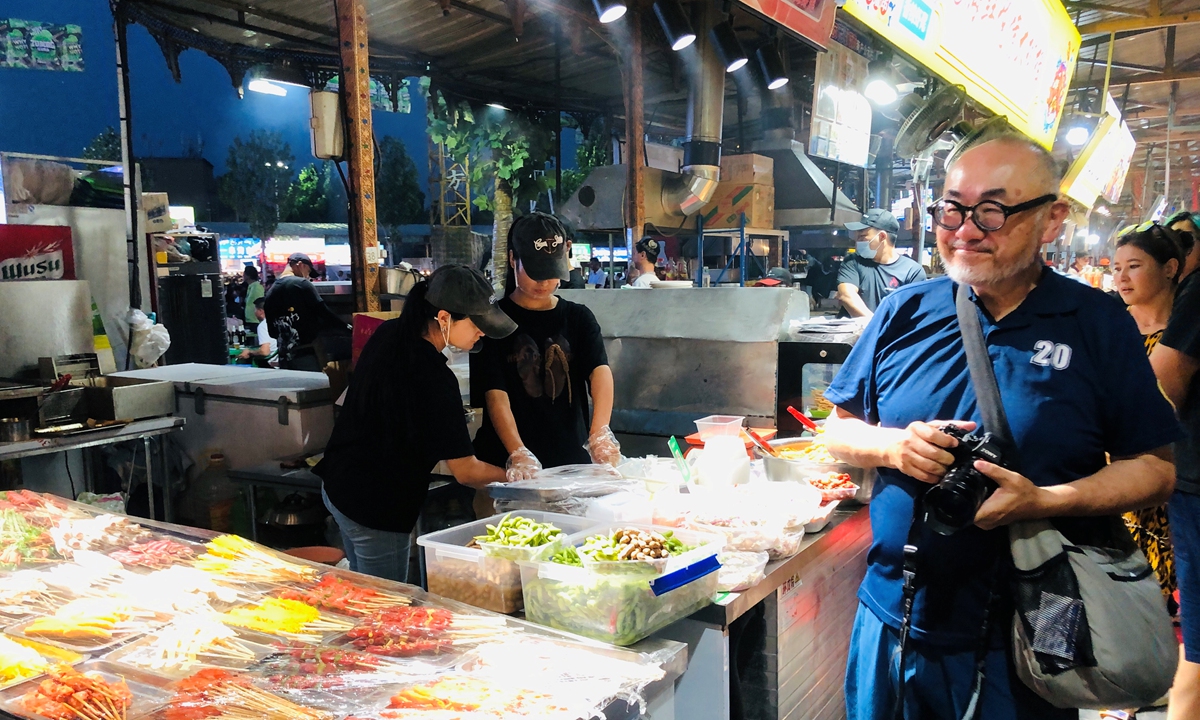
[(567, 481), (741, 570), (150, 341)]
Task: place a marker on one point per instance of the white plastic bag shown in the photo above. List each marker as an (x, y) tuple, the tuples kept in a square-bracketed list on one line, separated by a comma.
[(149, 341)]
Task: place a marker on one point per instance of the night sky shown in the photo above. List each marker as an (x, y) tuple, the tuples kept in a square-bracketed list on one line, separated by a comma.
[(58, 113)]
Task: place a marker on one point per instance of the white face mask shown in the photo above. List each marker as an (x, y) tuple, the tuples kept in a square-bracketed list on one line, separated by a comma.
[(451, 347), (864, 250)]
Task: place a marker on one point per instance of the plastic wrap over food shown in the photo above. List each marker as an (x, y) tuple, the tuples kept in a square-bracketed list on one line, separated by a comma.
[(741, 570), (560, 483), (756, 518)]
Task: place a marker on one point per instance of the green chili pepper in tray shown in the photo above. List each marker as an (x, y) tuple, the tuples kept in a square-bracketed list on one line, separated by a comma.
[(517, 531)]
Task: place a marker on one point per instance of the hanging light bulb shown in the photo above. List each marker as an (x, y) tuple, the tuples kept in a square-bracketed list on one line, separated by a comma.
[(772, 67), (725, 40), (674, 24), (609, 10)]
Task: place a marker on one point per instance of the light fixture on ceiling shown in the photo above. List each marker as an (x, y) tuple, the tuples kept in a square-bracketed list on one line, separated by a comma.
[(1103, 210), (266, 87), (881, 82), (609, 10), (275, 79), (674, 24), (496, 106), (1077, 135), (772, 68), (725, 39)]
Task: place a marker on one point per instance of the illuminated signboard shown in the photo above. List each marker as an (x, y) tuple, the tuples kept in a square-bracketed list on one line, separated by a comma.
[(1100, 169), (810, 19), (841, 120), (1014, 57)]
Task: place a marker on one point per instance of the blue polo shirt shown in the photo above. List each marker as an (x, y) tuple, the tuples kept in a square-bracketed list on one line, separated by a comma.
[(1076, 384)]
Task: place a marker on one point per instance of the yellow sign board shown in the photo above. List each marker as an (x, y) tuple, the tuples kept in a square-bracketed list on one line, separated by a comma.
[(1100, 169), (1014, 57)]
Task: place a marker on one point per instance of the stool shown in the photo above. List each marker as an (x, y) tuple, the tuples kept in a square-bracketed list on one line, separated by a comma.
[(317, 553)]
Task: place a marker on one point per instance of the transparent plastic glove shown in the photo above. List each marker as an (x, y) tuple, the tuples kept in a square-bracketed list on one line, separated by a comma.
[(603, 447), (521, 465)]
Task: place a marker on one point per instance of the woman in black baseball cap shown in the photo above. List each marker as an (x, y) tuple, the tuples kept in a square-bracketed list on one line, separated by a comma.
[(536, 382), (403, 415)]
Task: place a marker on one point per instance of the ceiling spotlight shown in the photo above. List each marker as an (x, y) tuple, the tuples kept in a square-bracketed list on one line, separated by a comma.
[(609, 10), (880, 91), (266, 87), (496, 106), (1077, 135), (772, 67), (674, 24), (1103, 210), (274, 79), (728, 46)]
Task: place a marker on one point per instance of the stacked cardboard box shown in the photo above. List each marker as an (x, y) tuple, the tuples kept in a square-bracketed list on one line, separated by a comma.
[(747, 187)]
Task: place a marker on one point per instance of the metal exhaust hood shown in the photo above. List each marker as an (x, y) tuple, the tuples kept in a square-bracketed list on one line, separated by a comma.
[(802, 191)]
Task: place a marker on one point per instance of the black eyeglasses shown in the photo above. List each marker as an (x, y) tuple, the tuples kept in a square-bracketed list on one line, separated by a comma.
[(988, 215)]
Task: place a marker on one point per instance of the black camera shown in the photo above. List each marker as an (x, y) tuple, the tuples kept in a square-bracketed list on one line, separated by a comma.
[(951, 505)]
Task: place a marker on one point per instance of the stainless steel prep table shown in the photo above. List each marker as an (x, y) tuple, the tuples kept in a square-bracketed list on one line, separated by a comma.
[(796, 669), (144, 430)]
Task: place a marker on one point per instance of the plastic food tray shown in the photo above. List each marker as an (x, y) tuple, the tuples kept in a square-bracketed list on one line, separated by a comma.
[(14, 614), (621, 602), (48, 652), (560, 483), (473, 576), (86, 646), (259, 643), (149, 691)]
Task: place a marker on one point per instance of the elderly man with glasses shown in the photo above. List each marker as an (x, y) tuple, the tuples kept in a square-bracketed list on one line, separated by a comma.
[(1071, 372)]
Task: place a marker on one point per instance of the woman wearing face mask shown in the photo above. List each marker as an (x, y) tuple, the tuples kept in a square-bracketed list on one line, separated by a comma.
[(536, 382), (1146, 271), (403, 414)]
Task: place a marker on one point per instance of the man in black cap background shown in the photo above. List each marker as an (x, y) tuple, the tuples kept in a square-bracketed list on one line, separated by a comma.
[(537, 382), (297, 317), (875, 269), (301, 266)]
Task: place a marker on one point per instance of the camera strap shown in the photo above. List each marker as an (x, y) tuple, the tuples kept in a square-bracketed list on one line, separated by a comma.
[(995, 421)]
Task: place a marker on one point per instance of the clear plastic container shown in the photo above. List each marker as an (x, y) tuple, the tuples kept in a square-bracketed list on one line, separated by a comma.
[(488, 577), (741, 570), (720, 425), (621, 602)]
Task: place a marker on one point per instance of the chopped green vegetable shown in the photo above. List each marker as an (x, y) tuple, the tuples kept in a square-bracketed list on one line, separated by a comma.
[(517, 531)]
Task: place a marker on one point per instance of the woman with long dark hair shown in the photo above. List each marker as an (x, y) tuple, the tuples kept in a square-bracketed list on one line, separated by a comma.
[(537, 383), (403, 415)]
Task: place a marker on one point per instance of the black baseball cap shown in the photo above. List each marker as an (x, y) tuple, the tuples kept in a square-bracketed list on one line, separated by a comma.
[(540, 243), (879, 219), (299, 258), (650, 246), (460, 289)]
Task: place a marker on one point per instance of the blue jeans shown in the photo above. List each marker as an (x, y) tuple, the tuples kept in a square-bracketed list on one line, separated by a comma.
[(380, 553), (1184, 512), (938, 682)]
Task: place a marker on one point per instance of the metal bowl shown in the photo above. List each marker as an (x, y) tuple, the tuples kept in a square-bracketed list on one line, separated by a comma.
[(783, 470)]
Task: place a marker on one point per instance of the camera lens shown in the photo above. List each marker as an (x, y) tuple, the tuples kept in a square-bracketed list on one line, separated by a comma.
[(951, 505)]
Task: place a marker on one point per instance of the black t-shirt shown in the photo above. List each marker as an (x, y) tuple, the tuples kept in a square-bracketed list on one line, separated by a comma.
[(544, 367), (875, 281), (1183, 334), (296, 314), (402, 415)]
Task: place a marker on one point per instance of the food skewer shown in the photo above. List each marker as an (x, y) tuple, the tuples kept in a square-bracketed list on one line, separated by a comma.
[(340, 595), (69, 695), (215, 693), (234, 558), (286, 618), (410, 631)]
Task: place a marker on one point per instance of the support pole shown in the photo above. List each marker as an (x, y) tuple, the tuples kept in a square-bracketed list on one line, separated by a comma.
[(1170, 127), (127, 160), (635, 129), (364, 245)]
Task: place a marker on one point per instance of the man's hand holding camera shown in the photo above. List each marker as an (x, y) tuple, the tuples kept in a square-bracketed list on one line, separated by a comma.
[(920, 450)]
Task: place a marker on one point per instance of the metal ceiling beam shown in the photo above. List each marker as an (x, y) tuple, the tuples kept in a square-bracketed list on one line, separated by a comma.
[(1101, 7), (1117, 65), (1145, 79), (480, 12), (1140, 23), (275, 17), (1100, 40)]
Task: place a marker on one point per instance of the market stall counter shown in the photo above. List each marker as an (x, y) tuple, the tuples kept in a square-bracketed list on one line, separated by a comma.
[(106, 619)]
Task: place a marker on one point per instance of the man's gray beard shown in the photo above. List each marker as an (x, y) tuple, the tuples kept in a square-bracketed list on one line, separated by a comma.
[(964, 275)]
